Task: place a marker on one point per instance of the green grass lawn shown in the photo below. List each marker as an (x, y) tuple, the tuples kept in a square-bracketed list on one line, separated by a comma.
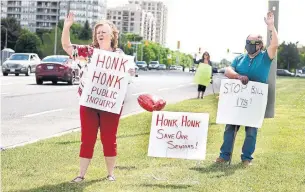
[(278, 165)]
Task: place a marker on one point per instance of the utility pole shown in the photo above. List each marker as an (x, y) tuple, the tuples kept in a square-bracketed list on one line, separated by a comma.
[(68, 7), (178, 49), (273, 5), (142, 46), (56, 26), (5, 46)]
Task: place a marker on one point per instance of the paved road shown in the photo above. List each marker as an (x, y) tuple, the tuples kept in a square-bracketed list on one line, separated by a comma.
[(30, 112)]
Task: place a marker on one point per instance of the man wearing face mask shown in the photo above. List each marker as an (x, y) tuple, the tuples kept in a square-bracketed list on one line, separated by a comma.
[(254, 66)]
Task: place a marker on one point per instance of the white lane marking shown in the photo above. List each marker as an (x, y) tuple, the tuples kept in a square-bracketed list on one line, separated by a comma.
[(44, 112), (163, 89), (17, 83), (5, 93), (135, 94), (192, 83), (7, 84)]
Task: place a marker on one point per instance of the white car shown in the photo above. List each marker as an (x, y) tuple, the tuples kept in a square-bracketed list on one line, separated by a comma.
[(299, 73), (180, 68), (153, 65), (21, 63)]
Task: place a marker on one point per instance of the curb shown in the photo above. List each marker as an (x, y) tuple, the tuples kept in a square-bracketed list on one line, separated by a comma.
[(76, 129)]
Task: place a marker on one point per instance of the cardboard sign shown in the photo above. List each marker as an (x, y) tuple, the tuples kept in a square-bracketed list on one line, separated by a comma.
[(242, 104), (106, 85), (178, 135), (203, 74)]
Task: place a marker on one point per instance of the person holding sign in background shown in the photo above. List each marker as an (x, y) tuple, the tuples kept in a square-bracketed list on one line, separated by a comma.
[(251, 66), (105, 37), (203, 73)]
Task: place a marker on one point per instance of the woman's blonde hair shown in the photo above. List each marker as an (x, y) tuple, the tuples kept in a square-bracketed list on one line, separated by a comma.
[(114, 35)]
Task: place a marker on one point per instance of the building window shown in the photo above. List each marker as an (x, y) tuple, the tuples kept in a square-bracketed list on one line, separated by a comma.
[(132, 13), (132, 19)]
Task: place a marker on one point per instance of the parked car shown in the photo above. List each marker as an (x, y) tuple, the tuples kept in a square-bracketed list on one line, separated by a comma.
[(20, 63), (153, 65), (162, 67), (180, 68), (142, 65), (173, 67), (284, 72), (299, 73), (57, 68)]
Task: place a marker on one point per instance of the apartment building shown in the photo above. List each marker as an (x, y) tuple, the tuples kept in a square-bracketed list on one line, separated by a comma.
[(127, 18), (130, 18), (160, 13), (44, 14), (149, 27), (91, 10)]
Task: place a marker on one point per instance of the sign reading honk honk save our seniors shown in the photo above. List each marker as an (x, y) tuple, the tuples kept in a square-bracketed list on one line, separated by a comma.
[(242, 104), (108, 77), (178, 135), (203, 74)]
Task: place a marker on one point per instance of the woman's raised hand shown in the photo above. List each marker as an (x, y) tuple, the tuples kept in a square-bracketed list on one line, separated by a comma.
[(69, 20)]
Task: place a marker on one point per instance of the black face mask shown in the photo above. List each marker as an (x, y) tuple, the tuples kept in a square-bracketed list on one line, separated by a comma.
[(251, 49), (251, 46)]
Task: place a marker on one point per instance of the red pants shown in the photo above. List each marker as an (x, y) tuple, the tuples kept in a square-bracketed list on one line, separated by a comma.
[(91, 119)]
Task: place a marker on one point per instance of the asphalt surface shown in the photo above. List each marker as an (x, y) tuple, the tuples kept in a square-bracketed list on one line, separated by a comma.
[(30, 112)]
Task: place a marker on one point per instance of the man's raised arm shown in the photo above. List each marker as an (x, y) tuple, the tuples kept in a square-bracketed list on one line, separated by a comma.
[(274, 43)]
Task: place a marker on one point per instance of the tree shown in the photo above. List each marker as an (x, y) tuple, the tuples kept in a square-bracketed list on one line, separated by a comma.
[(41, 32), (133, 37), (86, 32), (75, 29), (13, 32), (48, 40), (288, 56), (28, 42), (148, 54)]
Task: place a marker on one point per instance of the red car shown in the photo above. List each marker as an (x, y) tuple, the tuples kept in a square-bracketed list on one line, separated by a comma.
[(55, 68)]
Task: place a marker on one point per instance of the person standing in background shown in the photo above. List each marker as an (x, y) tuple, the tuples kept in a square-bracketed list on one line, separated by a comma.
[(205, 60)]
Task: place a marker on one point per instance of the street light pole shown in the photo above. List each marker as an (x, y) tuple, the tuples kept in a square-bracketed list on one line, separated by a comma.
[(56, 26), (273, 5), (5, 46)]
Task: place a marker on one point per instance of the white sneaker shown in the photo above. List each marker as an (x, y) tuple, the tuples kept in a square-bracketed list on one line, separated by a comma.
[(110, 178)]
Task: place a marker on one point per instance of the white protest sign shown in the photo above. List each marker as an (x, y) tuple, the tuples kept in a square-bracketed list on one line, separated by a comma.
[(242, 104), (178, 135), (106, 85)]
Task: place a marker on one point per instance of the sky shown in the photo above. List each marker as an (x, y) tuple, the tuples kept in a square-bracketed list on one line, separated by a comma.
[(218, 25)]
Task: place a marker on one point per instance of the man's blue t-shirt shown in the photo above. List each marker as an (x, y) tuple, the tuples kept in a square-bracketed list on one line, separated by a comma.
[(256, 69)]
